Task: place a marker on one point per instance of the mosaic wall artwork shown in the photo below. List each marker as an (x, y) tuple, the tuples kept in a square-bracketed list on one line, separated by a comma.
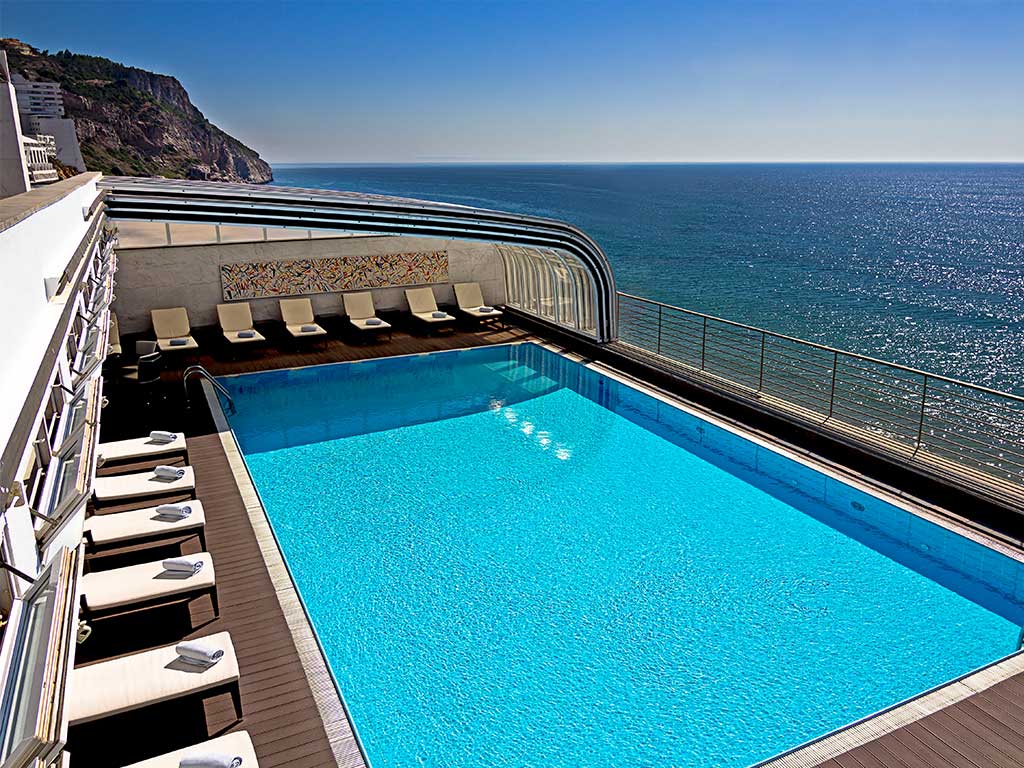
[(268, 279)]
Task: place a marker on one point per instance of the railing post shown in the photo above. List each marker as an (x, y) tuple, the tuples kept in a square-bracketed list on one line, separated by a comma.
[(760, 374), (920, 423), (703, 342), (659, 328), (832, 393)]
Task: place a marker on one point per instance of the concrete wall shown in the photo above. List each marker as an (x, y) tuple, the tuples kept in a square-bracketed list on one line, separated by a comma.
[(189, 276), (13, 172), (63, 131), (40, 231), (36, 247)]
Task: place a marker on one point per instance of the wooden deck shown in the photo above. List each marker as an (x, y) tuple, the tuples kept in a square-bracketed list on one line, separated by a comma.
[(220, 359), (983, 730)]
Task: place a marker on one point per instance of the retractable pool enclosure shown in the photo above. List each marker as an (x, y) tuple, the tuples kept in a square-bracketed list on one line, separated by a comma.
[(553, 271)]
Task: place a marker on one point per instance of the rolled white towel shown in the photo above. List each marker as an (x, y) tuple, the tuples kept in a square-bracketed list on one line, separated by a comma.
[(439, 314), (210, 760), (199, 652), (174, 510), (159, 436), (182, 565), (165, 472), (374, 321), (308, 328), (485, 309)]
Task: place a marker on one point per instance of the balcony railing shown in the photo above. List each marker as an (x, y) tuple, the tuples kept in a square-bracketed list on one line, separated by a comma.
[(962, 433)]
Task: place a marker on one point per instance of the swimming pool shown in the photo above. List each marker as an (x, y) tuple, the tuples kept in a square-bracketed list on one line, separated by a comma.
[(513, 560)]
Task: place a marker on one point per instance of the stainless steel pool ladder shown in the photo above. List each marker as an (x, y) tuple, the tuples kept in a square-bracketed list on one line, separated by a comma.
[(198, 370)]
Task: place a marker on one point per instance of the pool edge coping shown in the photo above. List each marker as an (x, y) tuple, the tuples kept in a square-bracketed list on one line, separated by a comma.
[(330, 702), (891, 719)]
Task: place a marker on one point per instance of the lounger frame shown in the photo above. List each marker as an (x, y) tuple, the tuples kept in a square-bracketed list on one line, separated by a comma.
[(150, 538)]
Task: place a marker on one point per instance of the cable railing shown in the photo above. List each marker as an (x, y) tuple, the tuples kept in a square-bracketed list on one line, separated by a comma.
[(959, 432)]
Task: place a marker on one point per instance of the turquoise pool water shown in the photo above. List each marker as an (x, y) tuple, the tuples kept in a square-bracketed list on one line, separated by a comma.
[(512, 560)]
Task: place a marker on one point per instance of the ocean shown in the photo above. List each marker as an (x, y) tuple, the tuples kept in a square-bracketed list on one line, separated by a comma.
[(918, 264)]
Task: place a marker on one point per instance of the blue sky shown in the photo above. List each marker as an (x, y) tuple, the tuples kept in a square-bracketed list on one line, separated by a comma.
[(576, 81)]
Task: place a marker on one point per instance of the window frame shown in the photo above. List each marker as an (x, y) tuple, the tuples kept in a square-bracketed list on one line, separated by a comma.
[(46, 733)]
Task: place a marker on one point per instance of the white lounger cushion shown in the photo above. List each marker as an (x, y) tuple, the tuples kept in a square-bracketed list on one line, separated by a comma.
[(296, 330), (237, 744), (141, 484), (475, 312), (234, 338), (421, 300), (469, 295), (121, 685), (139, 523), (471, 298), (361, 324), (429, 317), (138, 583), (172, 324), (359, 306), (297, 313), (166, 346), (140, 448), (235, 318)]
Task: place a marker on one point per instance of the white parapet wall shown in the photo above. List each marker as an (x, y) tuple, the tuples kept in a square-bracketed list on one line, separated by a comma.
[(189, 275), (39, 234)]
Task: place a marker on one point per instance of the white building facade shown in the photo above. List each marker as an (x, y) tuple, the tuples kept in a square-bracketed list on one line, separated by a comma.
[(41, 108)]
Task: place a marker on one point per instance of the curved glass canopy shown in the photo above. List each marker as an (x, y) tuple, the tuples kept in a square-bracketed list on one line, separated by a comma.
[(554, 271)]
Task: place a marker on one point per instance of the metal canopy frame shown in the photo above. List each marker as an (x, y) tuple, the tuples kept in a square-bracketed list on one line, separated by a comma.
[(253, 205)]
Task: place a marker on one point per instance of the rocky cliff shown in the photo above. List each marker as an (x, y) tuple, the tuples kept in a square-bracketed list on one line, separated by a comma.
[(136, 123)]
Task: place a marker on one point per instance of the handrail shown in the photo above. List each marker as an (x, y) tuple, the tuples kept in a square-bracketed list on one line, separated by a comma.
[(826, 348), (958, 431), (198, 370)]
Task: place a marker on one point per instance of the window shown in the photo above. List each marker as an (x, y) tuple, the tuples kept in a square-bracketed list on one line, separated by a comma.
[(87, 345), (68, 474), (37, 655)]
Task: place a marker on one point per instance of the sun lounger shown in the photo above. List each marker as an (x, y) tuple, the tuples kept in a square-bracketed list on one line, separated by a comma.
[(172, 330), (147, 585), (132, 682), (146, 524), (116, 487), (237, 744), (236, 323), (423, 307), (298, 318), (140, 449), (471, 302), (362, 314)]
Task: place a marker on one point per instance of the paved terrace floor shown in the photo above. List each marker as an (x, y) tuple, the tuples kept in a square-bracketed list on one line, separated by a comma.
[(983, 730)]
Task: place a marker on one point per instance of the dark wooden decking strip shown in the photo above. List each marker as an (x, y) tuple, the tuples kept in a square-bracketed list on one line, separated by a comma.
[(984, 729), (220, 359), (279, 709)]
